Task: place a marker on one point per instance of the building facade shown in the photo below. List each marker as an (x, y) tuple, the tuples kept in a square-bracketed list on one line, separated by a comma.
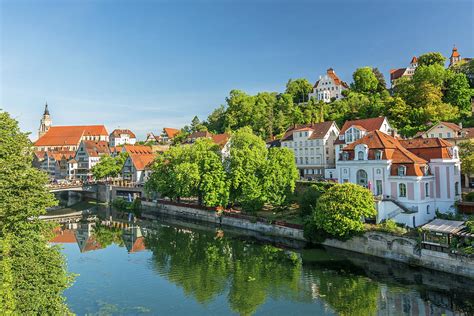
[(121, 137), (410, 180), (329, 87), (403, 72), (313, 147), (87, 156), (136, 168), (45, 123)]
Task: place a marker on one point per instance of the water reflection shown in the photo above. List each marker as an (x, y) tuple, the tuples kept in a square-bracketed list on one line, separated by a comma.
[(212, 266)]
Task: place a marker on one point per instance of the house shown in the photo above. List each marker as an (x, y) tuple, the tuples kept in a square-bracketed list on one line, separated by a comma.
[(137, 165), (411, 179), (456, 58), (121, 137), (195, 135), (313, 147), (353, 130), (88, 155), (396, 74), (54, 163), (152, 139), (223, 141), (68, 138), (329, 87), (453, 133), (168, 134)]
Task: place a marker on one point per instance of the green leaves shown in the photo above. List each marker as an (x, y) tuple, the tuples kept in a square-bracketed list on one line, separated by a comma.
[(109, 167), (340, 211), (32, 274)]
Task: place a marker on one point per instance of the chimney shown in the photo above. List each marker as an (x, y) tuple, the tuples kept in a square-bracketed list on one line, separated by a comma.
[(460, 125)]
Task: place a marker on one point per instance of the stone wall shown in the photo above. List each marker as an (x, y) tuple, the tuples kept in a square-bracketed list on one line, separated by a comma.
[(378, 244)]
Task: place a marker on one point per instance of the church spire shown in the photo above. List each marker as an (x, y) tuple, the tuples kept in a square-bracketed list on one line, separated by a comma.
[(46, 111)]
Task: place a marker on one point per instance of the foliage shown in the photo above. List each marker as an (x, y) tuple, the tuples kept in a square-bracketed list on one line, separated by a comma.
[(107, 236), (469, 197), (125, 206), (341, 210), (390, 226), (449, 216), (365, 80), (432, 58), (466, 68), (466, 154), (109, 167), (299, 89), (458, 92), (310, 196), (32, 274)]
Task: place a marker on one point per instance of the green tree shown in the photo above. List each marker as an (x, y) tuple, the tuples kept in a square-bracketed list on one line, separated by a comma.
[(109, 167), (382, 85), (280, 176), (432, 58), (466, 68), (246, 164), (32, 274), (458, 93), (466, 154), (216, 120), (341, 210), (299, 89), (365, 80)]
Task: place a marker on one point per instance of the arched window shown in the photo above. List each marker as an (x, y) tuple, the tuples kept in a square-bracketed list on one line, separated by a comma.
[(360, 155), (362, 178), (427, 190), (402, 190), (402, 171)]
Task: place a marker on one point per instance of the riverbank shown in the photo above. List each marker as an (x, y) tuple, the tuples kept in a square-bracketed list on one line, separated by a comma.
[(377, 244)]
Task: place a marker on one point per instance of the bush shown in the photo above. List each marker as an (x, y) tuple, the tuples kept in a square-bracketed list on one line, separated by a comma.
[(390, 226), (120, 204), (341, 210), (469, 197), (309, 197)]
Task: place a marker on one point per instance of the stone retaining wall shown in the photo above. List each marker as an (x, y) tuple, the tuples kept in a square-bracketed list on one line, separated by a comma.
[(377, 244)]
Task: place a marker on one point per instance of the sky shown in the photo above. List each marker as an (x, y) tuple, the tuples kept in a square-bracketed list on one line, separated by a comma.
[(145, 65)]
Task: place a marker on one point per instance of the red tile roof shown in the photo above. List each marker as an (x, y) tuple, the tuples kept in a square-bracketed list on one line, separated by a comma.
[(370, 124), (138, 149), (118, 132), (138, 245), (428, 148), (396, 73), (337, 81), (467, 132), (65, 236), (141, 155), (455, 52), (170, 132), (392, 150), (220, 139), (69, 135), (414, 60)]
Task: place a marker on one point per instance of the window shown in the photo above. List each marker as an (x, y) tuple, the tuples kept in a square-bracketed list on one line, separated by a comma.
[(378, 187), (378, 155), (301, 160), (402, 190), (456, 188), (345, 171), (427, 209), (427, 190), (345, 156), (402, 170), (448, 135), (440, 135), (379, 171), (360, 155), (432, 135), (306, 160)]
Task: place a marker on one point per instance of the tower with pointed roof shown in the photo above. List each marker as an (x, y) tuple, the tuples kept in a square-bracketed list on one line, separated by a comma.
[(45, 122), (455, 56)]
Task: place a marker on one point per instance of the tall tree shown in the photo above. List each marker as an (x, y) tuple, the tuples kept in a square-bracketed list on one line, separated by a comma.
[(365, 80), (458, 93), (32, 273), (109, 167), (299, 89), (432, 58), (382, 85)]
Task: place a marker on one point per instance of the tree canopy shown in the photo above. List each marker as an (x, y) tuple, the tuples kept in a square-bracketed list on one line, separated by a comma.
[(109, 167), (32, 274)]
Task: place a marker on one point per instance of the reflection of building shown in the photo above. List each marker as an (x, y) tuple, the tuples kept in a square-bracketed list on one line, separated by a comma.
[(133, 239), (85, 238)]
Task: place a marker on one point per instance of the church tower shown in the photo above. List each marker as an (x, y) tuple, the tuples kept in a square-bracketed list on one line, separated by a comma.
[(45, 122), (455, 57)]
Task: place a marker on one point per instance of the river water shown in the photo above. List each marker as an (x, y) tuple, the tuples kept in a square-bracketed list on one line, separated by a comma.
[(175, 267)]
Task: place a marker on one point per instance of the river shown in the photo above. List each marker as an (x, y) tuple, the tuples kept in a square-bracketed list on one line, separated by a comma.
[(175, 267)]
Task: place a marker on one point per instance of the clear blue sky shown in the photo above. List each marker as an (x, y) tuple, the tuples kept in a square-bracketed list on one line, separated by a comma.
[(145, 65)]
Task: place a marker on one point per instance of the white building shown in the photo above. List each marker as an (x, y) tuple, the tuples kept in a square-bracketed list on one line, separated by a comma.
[(410, 179), (328, 87), (403, 72), (87, 156), (121, 137), (313, 147), (353, 130)]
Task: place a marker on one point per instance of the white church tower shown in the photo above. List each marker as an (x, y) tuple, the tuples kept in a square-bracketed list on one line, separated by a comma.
[(45, 122)]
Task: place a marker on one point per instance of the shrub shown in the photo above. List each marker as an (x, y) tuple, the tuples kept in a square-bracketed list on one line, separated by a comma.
[(390, 226), (341, 210), (469, 197), (309, 197)]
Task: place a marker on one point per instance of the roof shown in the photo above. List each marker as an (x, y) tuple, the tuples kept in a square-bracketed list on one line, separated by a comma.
[(397, 73), (119, 132), (141, 161), (369, 124), (196, 135), (96, 148), (428, 148), (444, 226), (65, 236), (337, 81), (39, 154), (455, 52), (69, 135), (467, 132), (319, 130), (414, 60), (138, 149), (58, 155), (391, 150), (170, 132), (220, 139), (138, 245)]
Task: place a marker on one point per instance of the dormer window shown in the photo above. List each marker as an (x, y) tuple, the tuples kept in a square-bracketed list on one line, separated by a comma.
[(360, 155), (426, 170), (378, 155), (402, 171), (345, 156)]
